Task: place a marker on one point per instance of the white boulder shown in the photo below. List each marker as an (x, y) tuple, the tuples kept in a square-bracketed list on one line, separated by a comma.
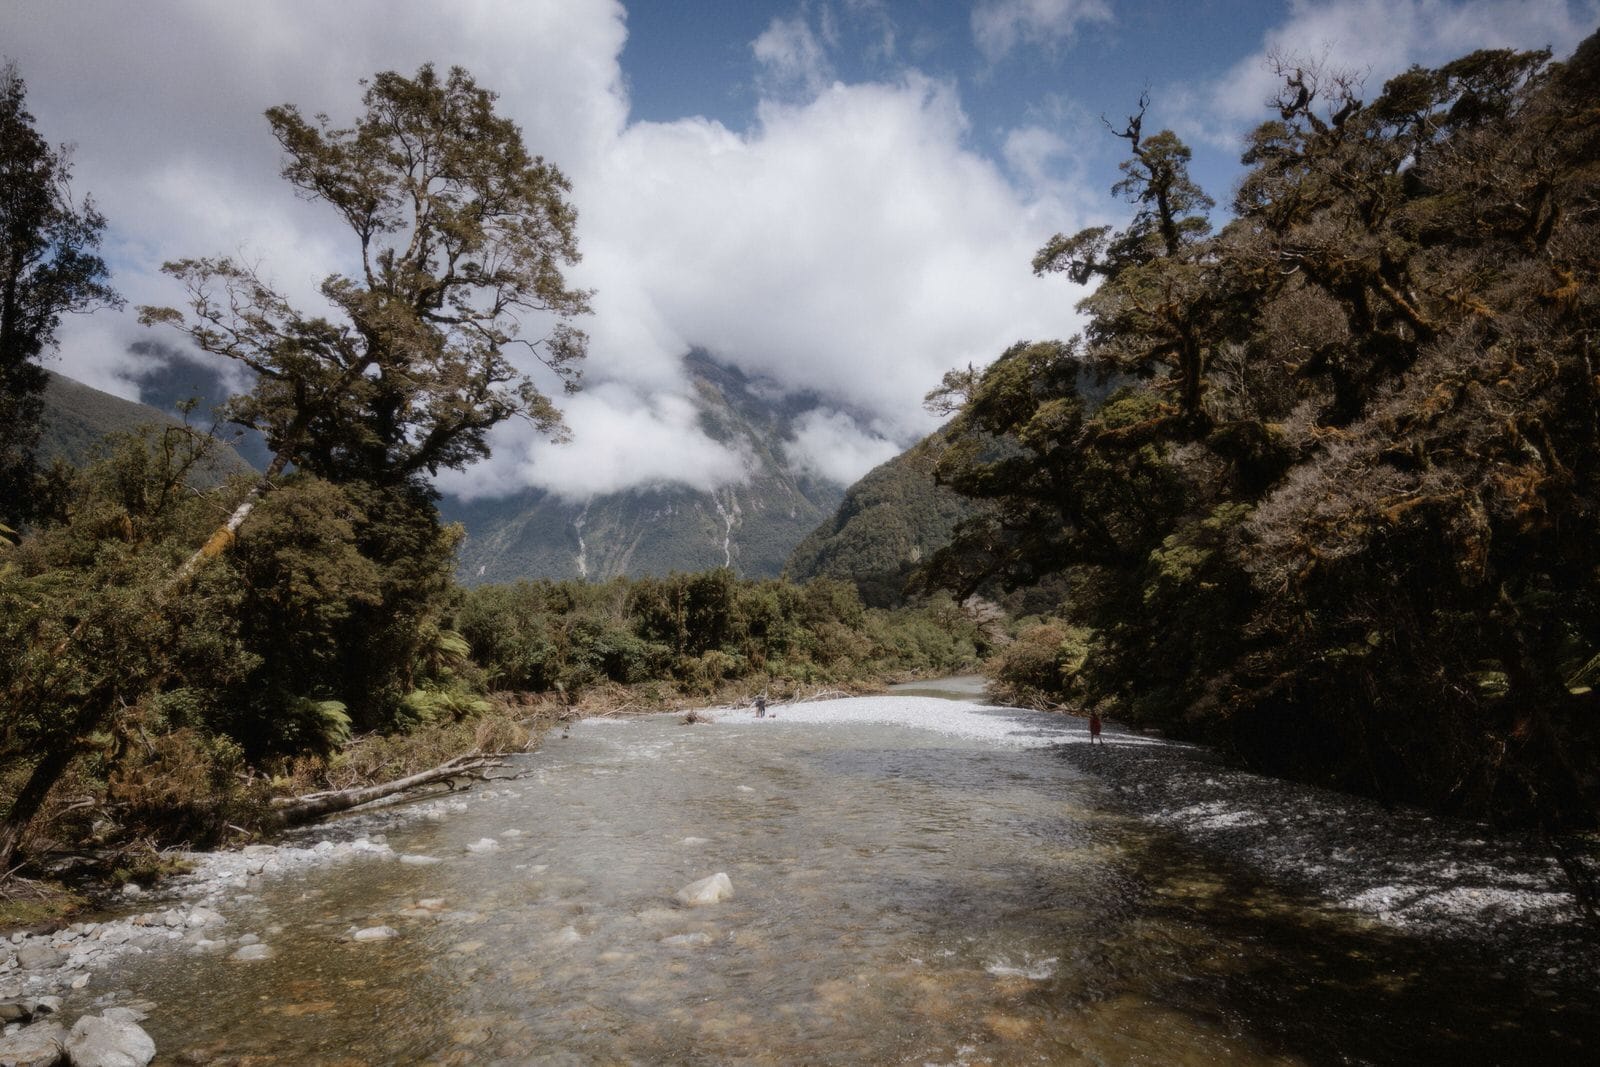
[(712, 890)]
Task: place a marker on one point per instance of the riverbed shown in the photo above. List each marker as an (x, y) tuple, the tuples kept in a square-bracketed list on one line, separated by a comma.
[(914, 880)]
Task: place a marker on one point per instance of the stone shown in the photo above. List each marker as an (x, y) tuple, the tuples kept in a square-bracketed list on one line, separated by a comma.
[(13, 1011), (712, 890), (414, 860), (203, 917), (375, 933), (97, 1041), (251, 953), (80, 981), (45, 1005), (483, 844), (132, 890), (125, 1015), (687, 940), (38, 1045), (567, 935), (38, 956)]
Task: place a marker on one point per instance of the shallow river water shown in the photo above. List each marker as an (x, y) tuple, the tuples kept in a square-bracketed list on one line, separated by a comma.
[(959, 894)]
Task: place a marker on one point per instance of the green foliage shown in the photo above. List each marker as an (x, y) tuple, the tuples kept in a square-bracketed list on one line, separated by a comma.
[(1043, 666), (889, 522), (1344, 522), (698, 631)]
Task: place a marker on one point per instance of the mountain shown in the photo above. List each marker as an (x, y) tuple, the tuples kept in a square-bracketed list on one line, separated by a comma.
[(897, 515), (169, 377), (888, 522), (78, 417), (751, 527)]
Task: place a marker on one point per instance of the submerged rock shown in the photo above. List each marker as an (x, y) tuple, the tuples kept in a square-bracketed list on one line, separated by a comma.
[(97, 1041), (375, 933), (712, 890), (250, 953), (691, 940), (483, 844)]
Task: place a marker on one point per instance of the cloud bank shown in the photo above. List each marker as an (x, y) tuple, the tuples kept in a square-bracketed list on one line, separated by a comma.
[(848, 243)]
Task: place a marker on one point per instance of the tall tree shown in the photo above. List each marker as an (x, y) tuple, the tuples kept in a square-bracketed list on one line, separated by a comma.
[(461, 236), (1151, 309), (49, 266)]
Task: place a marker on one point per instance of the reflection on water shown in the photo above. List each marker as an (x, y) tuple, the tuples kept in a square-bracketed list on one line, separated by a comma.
[(899, 897)]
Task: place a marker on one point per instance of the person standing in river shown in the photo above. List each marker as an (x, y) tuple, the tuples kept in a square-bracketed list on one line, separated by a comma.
[(761, 706), (1094, 728)]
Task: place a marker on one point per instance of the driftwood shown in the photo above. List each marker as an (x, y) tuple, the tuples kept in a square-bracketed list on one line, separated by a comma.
[(292, 811)]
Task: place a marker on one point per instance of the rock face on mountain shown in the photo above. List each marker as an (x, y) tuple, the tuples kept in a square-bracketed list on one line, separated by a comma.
[(888, 522), (751, 527)]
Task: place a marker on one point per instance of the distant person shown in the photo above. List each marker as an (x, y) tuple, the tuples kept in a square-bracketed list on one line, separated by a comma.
[(1094, 728), (761, 706)]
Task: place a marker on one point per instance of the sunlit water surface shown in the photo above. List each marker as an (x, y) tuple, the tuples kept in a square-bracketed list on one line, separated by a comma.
[(900, 896)]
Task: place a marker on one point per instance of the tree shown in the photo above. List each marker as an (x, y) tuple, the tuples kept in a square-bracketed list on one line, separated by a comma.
[(1151, 308), (461, 237), (49, 267)]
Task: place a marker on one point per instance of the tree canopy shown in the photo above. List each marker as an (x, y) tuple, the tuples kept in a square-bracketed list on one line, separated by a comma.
[(1344, 517), (461, 237)]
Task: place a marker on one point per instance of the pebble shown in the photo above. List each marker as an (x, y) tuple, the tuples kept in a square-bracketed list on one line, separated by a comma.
[(375, 933), (250, 953), (483, 844)]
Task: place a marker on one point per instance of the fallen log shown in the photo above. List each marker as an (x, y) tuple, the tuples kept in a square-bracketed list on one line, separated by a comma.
[(292, 811)]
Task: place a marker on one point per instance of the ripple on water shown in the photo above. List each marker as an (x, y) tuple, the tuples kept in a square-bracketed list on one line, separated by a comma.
[(949, 893)]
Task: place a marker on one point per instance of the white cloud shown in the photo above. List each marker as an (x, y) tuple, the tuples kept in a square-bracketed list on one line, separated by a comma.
[(1374, 40), (832, 446), (791, 57), (850, 243), (619, 439), (998, 26)]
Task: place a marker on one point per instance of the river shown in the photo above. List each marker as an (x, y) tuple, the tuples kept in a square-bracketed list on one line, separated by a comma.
[(915, 880)]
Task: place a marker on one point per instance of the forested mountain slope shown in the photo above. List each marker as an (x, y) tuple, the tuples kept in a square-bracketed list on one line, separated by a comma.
[(889, 522), (78, 417)]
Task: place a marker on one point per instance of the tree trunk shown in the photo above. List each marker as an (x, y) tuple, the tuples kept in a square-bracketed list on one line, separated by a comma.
[(220, 541), (292, 811)]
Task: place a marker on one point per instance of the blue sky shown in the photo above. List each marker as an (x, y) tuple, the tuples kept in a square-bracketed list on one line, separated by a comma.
[(695, 59), (841, 197)]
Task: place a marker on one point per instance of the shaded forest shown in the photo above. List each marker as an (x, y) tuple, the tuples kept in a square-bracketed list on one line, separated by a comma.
[(1343, 519)]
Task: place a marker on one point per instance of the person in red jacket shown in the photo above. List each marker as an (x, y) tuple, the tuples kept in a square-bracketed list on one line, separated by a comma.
[(1094, 728)]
